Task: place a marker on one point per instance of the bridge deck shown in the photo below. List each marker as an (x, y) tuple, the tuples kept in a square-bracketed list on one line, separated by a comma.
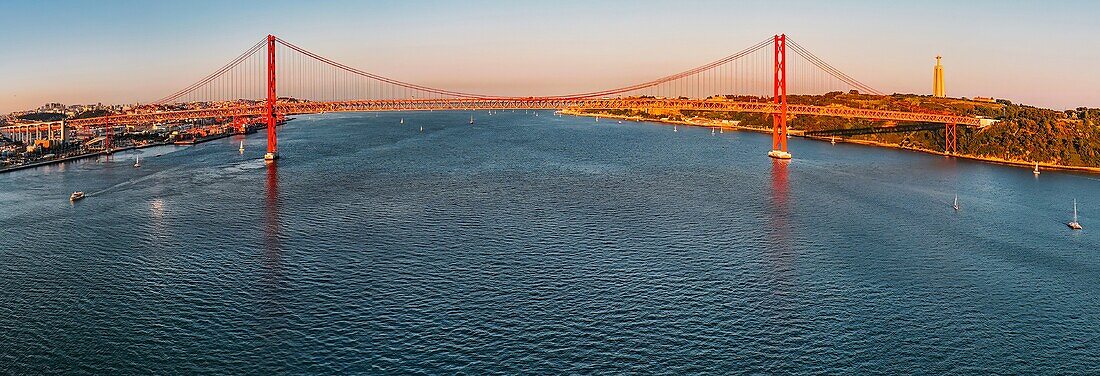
[(526, 103)]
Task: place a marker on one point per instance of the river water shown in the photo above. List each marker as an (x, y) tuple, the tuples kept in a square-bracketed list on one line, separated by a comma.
[(526, 244)]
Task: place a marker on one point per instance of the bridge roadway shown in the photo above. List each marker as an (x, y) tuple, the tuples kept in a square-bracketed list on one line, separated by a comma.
[(288, 107)]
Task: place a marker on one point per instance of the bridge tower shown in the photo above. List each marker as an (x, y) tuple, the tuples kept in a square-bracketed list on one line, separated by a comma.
[(779, 117), (107, 136), (272, 139)]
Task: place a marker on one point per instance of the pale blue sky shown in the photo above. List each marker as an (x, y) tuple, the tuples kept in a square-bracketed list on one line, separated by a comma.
[(1042, 53)]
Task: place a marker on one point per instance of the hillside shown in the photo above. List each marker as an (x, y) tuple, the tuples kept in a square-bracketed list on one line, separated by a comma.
[(1023, 133)]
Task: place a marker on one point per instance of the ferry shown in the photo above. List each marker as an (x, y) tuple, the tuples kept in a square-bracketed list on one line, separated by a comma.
[(78, 195)]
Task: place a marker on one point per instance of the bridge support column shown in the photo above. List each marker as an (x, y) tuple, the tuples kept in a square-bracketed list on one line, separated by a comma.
[(107, 135), (272, 139), (951, 141), (779, 117)]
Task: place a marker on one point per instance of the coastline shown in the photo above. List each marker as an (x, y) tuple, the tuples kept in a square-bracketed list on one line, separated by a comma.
[(149, 145), (79, 156), (796, 133)]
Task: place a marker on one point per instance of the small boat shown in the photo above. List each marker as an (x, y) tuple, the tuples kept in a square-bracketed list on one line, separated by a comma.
[(471, 119), (137, 161), (832, 140), (712, 131), (1074, 224), (402, 121), (956, 205), (597, 119), (78, 195), (721, 130), (1036, 170), (620, 121), (421, 128), (675, 128), (241, 149)]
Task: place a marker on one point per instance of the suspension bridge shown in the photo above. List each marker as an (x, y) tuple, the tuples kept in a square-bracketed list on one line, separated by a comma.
[(275, 78)]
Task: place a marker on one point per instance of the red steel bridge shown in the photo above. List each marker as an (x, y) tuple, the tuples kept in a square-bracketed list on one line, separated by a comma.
[(275, 78)]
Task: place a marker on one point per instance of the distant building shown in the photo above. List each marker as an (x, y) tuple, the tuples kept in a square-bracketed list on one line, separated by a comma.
[(985, 99), (938, 90)]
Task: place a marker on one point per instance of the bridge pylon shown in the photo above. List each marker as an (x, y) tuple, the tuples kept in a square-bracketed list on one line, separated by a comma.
[(951, 140), (269, 111), (779, 116), (107, 136)]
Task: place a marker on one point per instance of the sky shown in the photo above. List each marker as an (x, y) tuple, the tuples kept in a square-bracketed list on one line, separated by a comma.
[(1044, 53)]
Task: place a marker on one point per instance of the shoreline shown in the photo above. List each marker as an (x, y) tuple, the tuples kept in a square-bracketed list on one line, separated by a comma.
[(78, 157), (135, 147), (796, 133)]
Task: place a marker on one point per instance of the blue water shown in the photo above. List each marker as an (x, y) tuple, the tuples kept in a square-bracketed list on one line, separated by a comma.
[(543, 245)]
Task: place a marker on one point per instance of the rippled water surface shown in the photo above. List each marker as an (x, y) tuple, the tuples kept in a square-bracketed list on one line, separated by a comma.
[(527, 244)]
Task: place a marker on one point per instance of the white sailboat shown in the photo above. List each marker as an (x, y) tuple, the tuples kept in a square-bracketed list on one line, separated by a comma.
[(241, 149), (471, 119), (956, 204), (832, 140), (402, 121), (421, 128), (1036, 170), (1074, 224), (675, 128), (137, 161)]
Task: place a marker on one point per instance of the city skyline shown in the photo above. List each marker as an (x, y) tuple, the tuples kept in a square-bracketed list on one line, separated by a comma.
[(140, 52)]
